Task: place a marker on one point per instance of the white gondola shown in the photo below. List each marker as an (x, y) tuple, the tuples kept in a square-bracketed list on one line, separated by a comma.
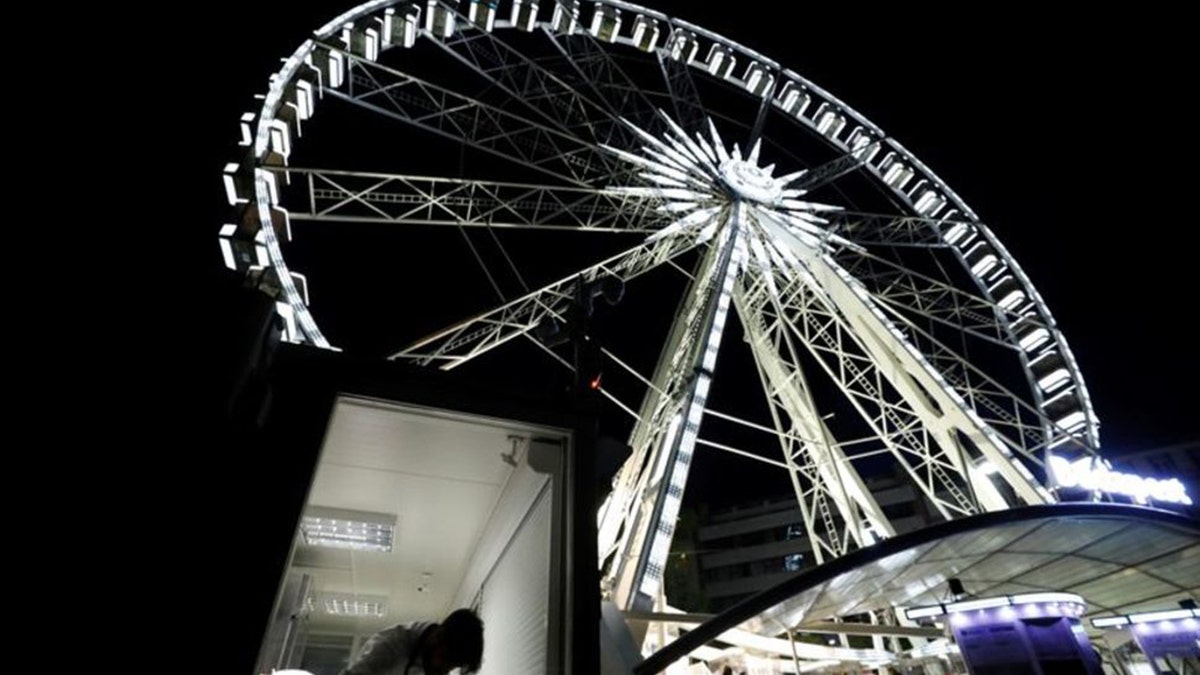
[(440, 20), (862, 144), (646, 33), (794, 99), (482, 13), (400, 24), (362, 40), (684, 46), (928, 203), (239, 183), (721, 61), (565, 19), (898, 175), (606, 23), (524, 14), (759, 79)]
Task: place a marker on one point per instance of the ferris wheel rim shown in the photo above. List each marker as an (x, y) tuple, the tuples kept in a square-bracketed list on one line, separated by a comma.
[(263, 201), (308, 323)]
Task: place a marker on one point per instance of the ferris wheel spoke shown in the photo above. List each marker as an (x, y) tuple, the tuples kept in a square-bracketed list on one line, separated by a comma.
[(875, 229), (595, 68), (953, 431), (338, 195), (936, 300), (838, 510), (542, 91), (685, 98), (921, 305), (898, 426), (846, 164), (639, 520), (1031, 427), (438, 110), (765, 90), (480, 334)]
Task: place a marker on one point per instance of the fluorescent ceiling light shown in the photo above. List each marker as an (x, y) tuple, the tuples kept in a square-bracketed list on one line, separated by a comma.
[(349, 604), (344, 528)]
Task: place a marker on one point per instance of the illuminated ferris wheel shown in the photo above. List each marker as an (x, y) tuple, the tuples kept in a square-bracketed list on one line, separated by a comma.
[(861, 282)]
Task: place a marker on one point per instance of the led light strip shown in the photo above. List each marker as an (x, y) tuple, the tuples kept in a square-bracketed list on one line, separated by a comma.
[(1146, 617), (928, 611)]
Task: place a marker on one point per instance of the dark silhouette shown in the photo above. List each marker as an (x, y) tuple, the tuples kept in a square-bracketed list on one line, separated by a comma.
[(423, 648)]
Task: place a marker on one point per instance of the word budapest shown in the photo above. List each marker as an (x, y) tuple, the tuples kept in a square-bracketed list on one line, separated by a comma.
[(1091, 474)]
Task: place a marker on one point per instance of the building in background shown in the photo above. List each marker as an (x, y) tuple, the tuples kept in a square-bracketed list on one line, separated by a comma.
[(749, 548)]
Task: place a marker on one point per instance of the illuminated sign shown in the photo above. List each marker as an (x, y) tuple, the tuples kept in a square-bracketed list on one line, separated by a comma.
[(1091, 473)]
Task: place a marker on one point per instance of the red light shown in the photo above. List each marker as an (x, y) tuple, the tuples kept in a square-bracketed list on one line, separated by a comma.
[(595, 383)]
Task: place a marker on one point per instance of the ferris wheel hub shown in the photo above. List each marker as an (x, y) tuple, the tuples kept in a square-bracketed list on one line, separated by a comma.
[(751, 182)]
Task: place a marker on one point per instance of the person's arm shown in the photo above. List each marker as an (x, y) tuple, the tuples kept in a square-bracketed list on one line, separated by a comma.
[(381, 652)]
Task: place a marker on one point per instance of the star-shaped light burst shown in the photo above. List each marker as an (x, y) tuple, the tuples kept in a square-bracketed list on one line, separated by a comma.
[(697, 179)]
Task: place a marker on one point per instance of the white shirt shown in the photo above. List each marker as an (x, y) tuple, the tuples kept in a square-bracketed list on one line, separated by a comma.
[(392, 651)]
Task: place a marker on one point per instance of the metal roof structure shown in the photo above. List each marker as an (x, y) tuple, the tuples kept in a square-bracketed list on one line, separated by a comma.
[(1119, 558)]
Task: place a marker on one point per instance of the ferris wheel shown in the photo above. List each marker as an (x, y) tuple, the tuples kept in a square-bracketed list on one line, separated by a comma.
[(563, 149)]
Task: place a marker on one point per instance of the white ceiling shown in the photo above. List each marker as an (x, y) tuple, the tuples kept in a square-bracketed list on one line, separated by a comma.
[(439, 473)]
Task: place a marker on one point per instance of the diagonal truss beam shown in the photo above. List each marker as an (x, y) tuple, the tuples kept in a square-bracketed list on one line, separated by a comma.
[(468, 339), (899, 392), (645, 503), (937, 300), (834, 169), (685, 98), (996, 406), (395, 198), (838, 510), (918, 305), (595, 68), (436, 109), (814, 324), (541, 92), (873, 229)]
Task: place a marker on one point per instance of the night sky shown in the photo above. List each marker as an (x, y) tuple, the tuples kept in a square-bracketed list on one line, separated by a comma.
[(1068, 136)]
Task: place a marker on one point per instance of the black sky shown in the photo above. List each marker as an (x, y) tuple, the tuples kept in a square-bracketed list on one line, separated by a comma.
[(1070, 136)]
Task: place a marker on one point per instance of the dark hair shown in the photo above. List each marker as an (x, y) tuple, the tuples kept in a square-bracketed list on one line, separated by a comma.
[(463, 635)]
